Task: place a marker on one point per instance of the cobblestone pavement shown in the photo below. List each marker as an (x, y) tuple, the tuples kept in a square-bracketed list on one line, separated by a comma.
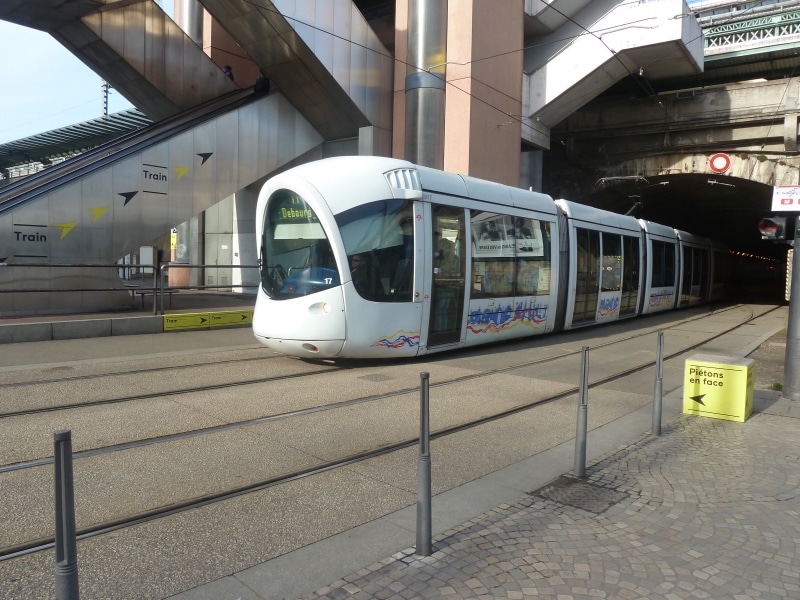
[(710, 509)]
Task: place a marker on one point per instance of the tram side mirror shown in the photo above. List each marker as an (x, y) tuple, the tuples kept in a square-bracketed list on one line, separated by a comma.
[(772, 228)]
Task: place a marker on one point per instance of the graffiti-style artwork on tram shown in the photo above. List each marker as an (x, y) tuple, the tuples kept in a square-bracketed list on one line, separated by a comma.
[(661, 299), (528, 314), (608, 307), (372, 257), (398, 339)]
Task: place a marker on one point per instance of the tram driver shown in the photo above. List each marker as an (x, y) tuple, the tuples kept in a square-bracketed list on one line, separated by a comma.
[(358, 271)]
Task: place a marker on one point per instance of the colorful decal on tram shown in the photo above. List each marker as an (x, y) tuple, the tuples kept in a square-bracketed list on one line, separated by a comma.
[(528, 313), (609, 307), (399, 339), (661, 298)]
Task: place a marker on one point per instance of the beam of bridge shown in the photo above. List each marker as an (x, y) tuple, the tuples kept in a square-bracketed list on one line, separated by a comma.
[(134, 46), (778, 28), (652, 157), (322, 55), (602, 44), (305, 47), (757, 117)]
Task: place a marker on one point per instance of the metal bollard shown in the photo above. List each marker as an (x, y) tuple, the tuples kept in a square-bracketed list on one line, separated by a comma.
[(656, 429), (66, 544), (424, 472), (583, 410)]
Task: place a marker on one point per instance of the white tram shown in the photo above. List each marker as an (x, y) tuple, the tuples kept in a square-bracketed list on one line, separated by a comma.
[(369, 257)]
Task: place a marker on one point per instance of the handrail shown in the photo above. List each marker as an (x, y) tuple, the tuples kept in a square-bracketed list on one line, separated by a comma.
[(33, 185), (158, 286), (166, 266)]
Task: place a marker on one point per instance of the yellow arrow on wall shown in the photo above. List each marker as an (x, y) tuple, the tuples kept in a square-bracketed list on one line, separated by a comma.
[(66, 228), (97, 212)]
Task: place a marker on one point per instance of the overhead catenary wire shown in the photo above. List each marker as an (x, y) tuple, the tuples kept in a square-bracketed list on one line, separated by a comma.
[(639, 72), (515, 118)]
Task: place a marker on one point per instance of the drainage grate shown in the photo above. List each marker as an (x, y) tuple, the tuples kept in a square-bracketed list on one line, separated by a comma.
[(579, 494)]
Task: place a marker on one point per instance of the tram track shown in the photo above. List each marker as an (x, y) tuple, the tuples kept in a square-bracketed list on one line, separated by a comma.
[(42, 544), (144, 371), (160, 394), (289, 414), (168, 438), (343, 365)]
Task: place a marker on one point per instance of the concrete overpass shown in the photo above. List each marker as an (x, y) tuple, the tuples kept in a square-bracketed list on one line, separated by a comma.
[(650, 153), (210, 139)]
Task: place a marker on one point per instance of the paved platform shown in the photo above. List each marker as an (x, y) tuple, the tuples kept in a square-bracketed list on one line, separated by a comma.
[(709, 509), (139, 318)]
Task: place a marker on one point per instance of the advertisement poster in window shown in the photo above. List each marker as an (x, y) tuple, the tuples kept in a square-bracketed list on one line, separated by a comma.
[(497, 236)]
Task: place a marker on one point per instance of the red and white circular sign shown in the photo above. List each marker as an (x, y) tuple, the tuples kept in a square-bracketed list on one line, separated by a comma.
[(719, 162)]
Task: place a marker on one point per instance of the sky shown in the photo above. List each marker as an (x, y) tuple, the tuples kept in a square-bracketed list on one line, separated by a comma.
[(45, 87)]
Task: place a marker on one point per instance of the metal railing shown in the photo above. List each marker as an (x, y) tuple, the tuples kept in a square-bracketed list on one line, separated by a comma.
[(760, 32), (163, 288), (124, 271), (65, 539), (153, 279)]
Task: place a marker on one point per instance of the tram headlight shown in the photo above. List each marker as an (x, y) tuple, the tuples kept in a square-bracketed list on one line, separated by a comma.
[(320, 308)]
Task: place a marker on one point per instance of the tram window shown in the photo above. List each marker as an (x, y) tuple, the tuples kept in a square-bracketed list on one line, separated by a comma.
[(611, 275), (688, 267), (296, 256), (663, 274), (721, 266), (510, 256), (381, 235), (701, 267), (492, 255), (533, 257), (630, 275), (587, 277)]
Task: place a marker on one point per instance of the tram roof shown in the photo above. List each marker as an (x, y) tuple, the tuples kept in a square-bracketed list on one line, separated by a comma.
[(591, 214)]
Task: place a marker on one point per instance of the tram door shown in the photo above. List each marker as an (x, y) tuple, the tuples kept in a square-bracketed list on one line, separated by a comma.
[(588, 275), (447, 291)]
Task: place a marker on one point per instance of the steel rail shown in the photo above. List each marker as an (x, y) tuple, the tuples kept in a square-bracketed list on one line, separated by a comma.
[(42, 544)]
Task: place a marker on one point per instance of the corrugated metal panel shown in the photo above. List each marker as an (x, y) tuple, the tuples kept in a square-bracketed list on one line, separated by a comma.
[(51, 145)]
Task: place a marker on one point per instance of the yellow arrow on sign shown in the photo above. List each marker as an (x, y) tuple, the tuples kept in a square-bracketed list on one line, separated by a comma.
[(186, 321), (231, 317)]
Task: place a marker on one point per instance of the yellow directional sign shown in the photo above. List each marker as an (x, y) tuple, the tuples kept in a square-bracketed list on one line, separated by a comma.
[(180, 322), (231, 317), (719, 386)]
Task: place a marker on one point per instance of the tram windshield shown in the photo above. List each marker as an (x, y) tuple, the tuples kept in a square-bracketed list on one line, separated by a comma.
[(296, 256), (379, 241)]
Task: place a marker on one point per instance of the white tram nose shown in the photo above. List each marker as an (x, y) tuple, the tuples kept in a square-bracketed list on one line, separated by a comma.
[(310, 326)]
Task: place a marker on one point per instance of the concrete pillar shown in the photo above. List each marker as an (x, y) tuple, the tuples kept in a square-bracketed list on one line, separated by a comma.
[(790, 132), (244, 238), (189, 17), (530, 170), (425, 82), (791, 366)]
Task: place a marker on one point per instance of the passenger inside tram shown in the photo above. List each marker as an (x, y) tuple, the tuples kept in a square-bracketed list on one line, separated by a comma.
[(358, 271)]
